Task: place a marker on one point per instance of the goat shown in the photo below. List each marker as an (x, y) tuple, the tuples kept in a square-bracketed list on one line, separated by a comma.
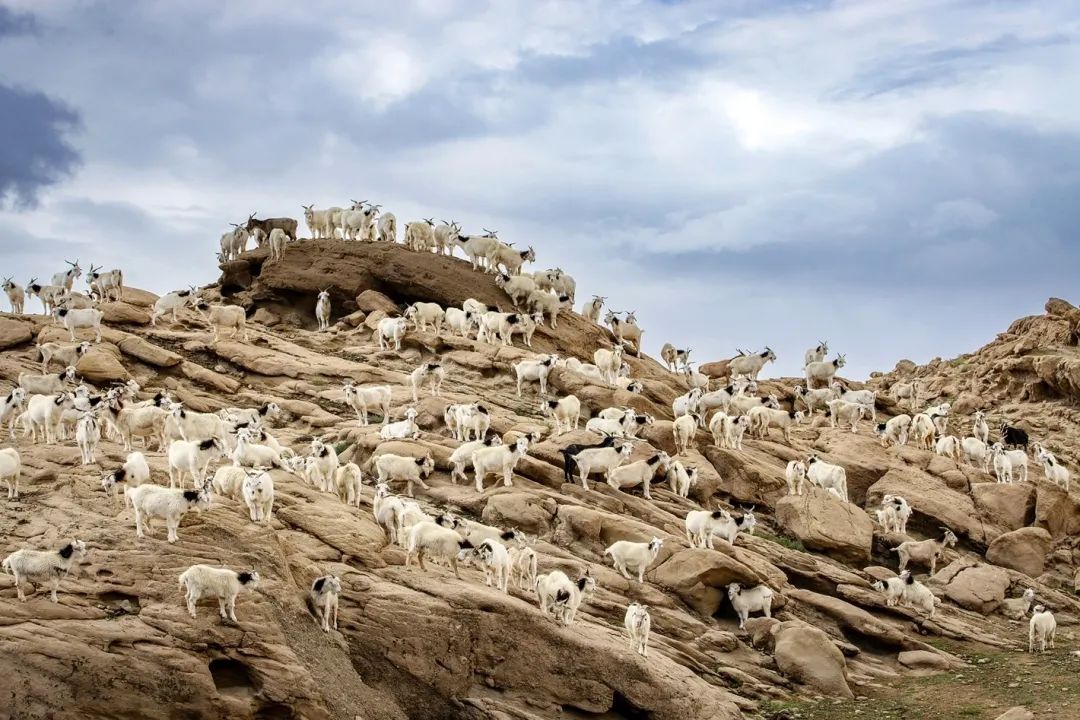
[(15, 294), (681, 478), (534, 371), (917, 595), (751, 365), (150, 501), (432, 370), (795, 474), (762, 418), (390, 467), (637, 623), (756, 599), (432, 538), (192, 458), (979, 427), (105, 285), (401, 429), (633, 556), (827, 476), (78, 319), (67, 355), (46, 384), (816, 354), (1018, 460), (824, 371), (225, 585), (226, 316), (41, 566), (1013, 436), (895, 430), (258, 494), (425, 313), (637, 473), (924, 552), (923, 431), (360, 398), (560, 597), (322, 310), (494, 560), (322, 600), (565, 412), (171, 302), (591, 310), (1041, 629), (497, 459), (1055, 471), (10, 471), (391, 329), (267, 226)]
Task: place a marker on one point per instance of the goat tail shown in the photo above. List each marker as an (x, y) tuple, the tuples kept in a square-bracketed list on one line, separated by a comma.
[(7, 565)]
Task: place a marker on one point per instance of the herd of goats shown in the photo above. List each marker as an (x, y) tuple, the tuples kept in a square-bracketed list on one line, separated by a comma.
[(53, 407)]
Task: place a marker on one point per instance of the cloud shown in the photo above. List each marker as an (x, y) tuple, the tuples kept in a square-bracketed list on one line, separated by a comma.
[(741, 173), (37, 152)]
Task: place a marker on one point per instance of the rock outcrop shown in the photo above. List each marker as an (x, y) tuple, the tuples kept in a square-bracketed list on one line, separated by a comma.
[(412, 643)]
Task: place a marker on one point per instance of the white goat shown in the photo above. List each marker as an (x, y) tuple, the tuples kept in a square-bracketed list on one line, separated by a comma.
[(979, 428), (10, 471), (827, 476), (67, 355), (361, 398), (426, 313), (46, 384), (534, 371), (638, 623), (171, 302), (192, 458), (401, 429), (1018, 460), (461, 458), (1055, 471), (498, 459), (1041, 629), (258, 493), (494, 561), (560, 597), (823, 372), (87, 436), (432, 370), (918, 596), (41, 566), (204, 581), (151, 501), (15, 294), (923, 431), (322, 309), (79, 319), (566, 412), (434, 539), (401, 468), (757, 599), (231, 317), (762, 418), (323, 600), (681, 478), (924, 552), (795, 474), (634, 557), (391, 329), (641, 473), (751, 365), (895, 430), (601, 459)]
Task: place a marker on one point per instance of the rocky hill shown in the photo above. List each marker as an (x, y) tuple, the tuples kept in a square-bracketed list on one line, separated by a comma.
[(415, 644)]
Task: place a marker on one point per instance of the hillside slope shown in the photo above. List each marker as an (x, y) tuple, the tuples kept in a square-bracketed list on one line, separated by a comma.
[(416, 644)]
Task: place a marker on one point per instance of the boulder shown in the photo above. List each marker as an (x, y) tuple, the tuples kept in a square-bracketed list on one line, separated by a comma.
[(371, 300), (147, 352), (525, 511), (13, 332), (137, 297), (1056, 511), (1016, 713), (808, 656), (101, 366), (925, 660), (826, 524), (1023, 550), (700, 577), (977, 587), (265, 317), (1008, 505), (931, 497), (123, 314)]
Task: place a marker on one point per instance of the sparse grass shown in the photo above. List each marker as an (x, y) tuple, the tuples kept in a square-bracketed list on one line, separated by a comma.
[(341, 447), (992, 682), (790, 543)]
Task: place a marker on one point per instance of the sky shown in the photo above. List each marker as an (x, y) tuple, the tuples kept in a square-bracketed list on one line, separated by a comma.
[(901, 179)]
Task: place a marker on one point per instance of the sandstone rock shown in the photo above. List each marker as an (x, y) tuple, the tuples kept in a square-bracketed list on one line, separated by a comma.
[(1023, 550), (1008, 505), (931, 497), (521, 510), (1016, 713), (14, 332), (355, 319), (101, 366), (822, 522), (265, 317), (925, 660), (980, 587), (1056, 511), (373, 317), (371, 300), (137, 297), (808, 656), (148, 353), (124, 314), (700, 577)]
